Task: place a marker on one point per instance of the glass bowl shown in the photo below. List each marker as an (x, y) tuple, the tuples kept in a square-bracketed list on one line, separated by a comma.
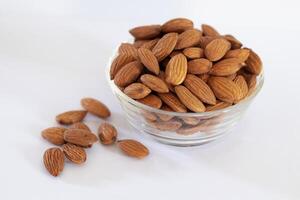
[(181, 129)]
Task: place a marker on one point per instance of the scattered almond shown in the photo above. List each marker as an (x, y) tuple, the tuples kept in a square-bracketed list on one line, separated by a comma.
[(74, 153), (80, 137), (133, 148), (80, 125), (71, 117), (55, 135), (54, 161), (95, 107), (107, 133)]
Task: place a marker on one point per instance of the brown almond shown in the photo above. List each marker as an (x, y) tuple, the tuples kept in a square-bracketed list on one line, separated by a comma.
[(242, 84), (235, 44), (128, 74), (95, 107), (204, 77), (226, 67), (137, 90), (133, 148), (165, 46), (54, 161), (165, 117), (188, 38), (251, 81), (216, 49), (139, 43), (224, 89), (241, 54), (220, 105), (199, 66), (74, 153), (151, 100), (200, 89), (176, 70), (193, 52), (80, 137), (162, 76), (174, 53), (177, 25), (71, 117), (188, 99), (80, 125), (55, 135), (209, 30), (149, 116), (150, 44), (149, 60), (205, 40), (154, 83), (172, 101), (254, 63), (129, 49), (120, 61), (145, 32), (191, 120), (171, 125), (107, 133)]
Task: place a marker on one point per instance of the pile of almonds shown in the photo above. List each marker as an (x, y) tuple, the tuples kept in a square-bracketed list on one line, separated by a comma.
[(73, 140), (178, 67)]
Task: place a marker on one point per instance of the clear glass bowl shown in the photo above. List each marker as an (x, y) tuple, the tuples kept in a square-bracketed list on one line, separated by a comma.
[(181, 129)]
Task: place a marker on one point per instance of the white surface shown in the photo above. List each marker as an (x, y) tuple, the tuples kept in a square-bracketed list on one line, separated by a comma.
[(53, 53)]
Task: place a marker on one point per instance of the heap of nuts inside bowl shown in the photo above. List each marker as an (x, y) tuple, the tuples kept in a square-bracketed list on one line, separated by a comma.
[(74, 136), (178, 67)]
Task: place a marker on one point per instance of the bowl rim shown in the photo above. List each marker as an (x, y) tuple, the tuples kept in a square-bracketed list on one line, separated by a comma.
[(116, 90)]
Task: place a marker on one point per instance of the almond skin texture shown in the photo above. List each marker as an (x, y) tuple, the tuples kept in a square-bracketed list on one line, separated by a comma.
[(128, 74), (120, 61), (226, 67), (205, 40), (150, 44), (176, 70), (216, 49), (193, 52), (199, 66), (151, 100), (71, 117), (189, 100), (254, 63), (224, 89), (218, 106), (235, 44), (204, 77), (55, 135), (107, 133), (154, 83), (165, 46), (145, 32), (241, 54), (54, 161), (133, 148), (80, 125), (209, 30), (162, 76), (188, 38), (149, 60), (242, 84), (74, 153), (200, 89), (173, 102), (129, 49), (137, 90), (95, 107), (177, 25), (80, 137)]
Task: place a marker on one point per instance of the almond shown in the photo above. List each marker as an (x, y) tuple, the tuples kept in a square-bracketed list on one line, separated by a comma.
[(55, 135), (80, 137), (189, 100), (205, 40), (242, 84), (145, 32), (137, 90), (139, 43), (150, 44), (128, 74), (216, 49), (74, 153), (154, 83), (176, 69), (199, 66), (191, 129), (204, 77), (151, 100), (193, 52), (224, 89), (162, 76), (188, 38), (226, 67), (165, 117), (80, 125), (107, 133), (174, 53), (165, 46), (209, 30), (235, 44), (177, 25), (120, 61), (149, 60), (171, 125), (54, 161), (95, 107), (191, 120), (71, 117), (218, 106), (254, 64), (149, 116), (200, 89), (251, 81), (241, 54), (129, 49), (133, 148), (173, 102)]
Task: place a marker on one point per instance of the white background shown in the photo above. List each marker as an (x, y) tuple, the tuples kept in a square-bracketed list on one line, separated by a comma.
[(53, 53)]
